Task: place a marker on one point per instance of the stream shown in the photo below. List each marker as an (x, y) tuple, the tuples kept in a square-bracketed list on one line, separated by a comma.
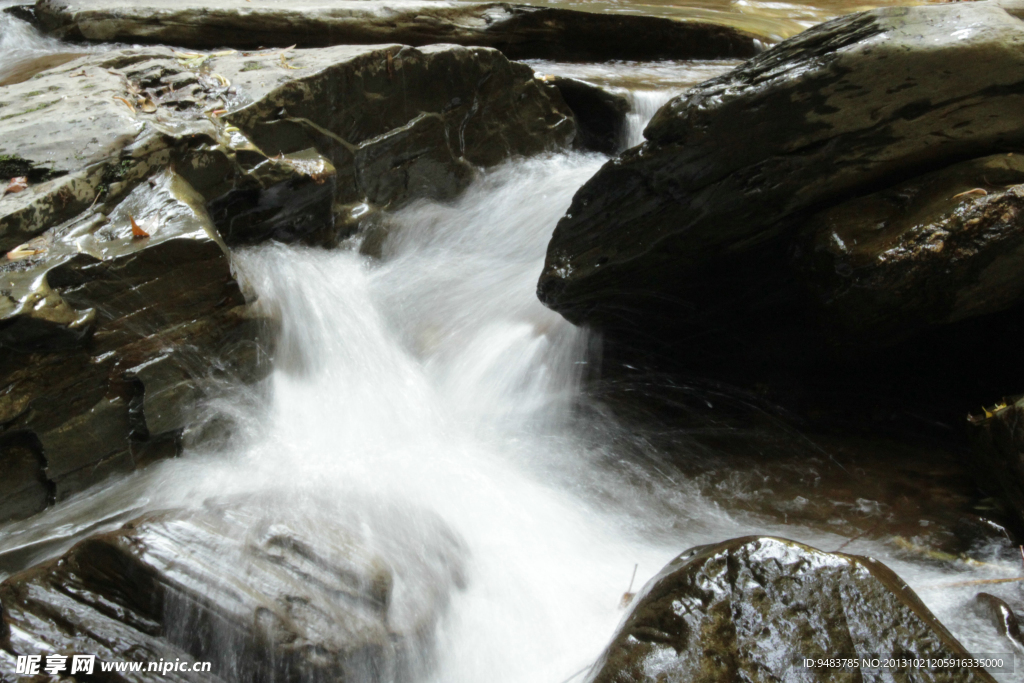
[(431, 384)]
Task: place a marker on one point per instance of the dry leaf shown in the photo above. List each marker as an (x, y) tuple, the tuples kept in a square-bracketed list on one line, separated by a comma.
[(17, 185), (137, 232), (127, 103), (626, 599), (976, 192), (22, 252), (147, 105)]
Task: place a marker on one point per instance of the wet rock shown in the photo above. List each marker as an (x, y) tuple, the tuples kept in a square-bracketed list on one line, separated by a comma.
[(685, 245), (932, 251), (253, 587), (108, 338), (276, 139), (520, 31), (753, 608), (1001, 616), (600, 115), (111, 336)]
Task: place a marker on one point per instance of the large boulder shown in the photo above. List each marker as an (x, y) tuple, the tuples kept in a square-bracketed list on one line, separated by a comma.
[(258, 589), (109, 336), (520, 31), (693, 240), (754, 608)]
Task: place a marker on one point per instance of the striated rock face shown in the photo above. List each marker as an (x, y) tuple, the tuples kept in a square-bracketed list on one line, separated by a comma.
[(715, 241), (265, 596), (108, 338), (752, 608), (520, 31)]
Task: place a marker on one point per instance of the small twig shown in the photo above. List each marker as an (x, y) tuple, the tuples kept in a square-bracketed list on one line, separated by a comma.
[(576, 674), (1021, 552), (860, 535), (636, 566)]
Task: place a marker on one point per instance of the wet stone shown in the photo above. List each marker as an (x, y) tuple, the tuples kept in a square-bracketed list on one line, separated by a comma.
[(267, 595), (520, 31), (753, 608)]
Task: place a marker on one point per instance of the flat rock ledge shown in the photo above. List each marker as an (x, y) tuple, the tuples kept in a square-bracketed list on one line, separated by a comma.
[(753, 608), (145, 166), (520, 31)]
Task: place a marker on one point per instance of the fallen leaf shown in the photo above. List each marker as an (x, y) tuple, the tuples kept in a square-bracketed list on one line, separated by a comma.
[(626, 599), (17, 185), (22, 252), (126, 103), (147, 105), (976, 192), (137, 232)]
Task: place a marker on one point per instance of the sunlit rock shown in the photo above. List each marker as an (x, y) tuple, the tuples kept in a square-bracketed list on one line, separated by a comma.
[(685, 245), (520, 31), (755, 608)]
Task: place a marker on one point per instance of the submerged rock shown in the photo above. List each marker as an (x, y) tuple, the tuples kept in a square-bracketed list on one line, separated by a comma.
[(1000, 615), (754, 608), (691, 243), (520, 31), (254, 587)]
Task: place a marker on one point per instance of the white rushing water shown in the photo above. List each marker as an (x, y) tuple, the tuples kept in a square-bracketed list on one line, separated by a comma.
[(432, 382)]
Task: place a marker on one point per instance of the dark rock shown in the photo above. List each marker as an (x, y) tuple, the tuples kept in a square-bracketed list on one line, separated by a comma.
[(600, 115), (520, 31), (264, 595), (932, 251), (753, 608), (688, 247), (1001, 616), (999, 446), (108, 338), (846, 106)]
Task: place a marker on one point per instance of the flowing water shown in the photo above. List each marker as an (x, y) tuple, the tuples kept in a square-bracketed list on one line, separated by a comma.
[(431, 384)]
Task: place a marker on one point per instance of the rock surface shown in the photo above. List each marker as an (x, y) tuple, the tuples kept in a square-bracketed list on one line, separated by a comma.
[(752, 608), (109, 337), (265, 595), (520, 31), (600, 114), (932, 251), (693, 240)]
